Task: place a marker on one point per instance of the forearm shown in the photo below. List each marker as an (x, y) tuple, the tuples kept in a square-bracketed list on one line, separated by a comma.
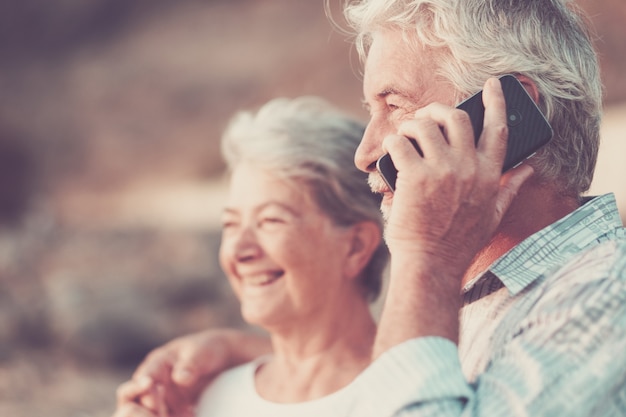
[(423, 378), (421, 302), (560, 354)]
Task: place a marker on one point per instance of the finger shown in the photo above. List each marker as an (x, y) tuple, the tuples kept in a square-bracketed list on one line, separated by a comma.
[(131, 390), (427, 135), (161, 406), (157, 365), (454, 125), (155, 399), (149, 401), (132, 410), (186, 371), (493, 138), (197, 362), (402, 151), (510, 184), (174, 361)]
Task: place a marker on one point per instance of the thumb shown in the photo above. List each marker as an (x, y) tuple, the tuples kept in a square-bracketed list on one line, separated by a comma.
[(131, 390), (185, 374), (197, 361), (193, 363), (510, 184)]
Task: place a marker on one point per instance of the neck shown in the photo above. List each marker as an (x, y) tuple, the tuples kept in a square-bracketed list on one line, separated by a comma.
[(319, 358), (535, 207)]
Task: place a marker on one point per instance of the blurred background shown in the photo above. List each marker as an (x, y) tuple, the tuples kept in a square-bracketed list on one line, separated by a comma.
[(111, 180)]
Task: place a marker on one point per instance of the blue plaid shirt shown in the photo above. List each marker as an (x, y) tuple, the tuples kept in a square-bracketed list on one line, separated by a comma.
[(543, 333)]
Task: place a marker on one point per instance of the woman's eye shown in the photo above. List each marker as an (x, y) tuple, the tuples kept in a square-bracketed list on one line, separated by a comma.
[(228, 224), (269, 221)]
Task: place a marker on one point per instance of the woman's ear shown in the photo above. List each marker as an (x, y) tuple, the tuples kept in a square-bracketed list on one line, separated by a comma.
[(530, 87), (366, 237)]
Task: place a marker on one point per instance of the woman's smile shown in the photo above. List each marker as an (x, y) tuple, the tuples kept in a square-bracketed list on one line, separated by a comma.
[(262, 279)]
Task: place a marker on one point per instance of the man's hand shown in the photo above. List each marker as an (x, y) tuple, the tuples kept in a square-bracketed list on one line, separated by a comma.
[(449, 202), (182, 368), (447, 206)]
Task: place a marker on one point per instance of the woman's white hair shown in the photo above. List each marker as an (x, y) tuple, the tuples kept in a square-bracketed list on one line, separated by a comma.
[(545, 40), (309, 142)]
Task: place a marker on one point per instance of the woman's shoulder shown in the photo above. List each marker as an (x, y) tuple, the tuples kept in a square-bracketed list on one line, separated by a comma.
[(242, 376), (231, 387)]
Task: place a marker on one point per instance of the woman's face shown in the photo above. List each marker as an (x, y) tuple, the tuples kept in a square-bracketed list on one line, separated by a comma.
[(283, 256)]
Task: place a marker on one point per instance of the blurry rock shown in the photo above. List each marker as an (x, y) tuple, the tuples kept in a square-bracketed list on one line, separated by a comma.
[(114, 339), (114, 295), (32, 328), (17, 177)]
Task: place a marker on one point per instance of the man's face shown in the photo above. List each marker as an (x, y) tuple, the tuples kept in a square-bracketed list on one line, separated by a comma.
[(398, 80)]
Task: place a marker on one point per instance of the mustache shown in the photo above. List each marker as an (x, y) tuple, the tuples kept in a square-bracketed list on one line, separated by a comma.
[(376, 183)]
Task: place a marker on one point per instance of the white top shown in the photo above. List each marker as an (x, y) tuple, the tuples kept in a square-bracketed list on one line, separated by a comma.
[(233, 394)]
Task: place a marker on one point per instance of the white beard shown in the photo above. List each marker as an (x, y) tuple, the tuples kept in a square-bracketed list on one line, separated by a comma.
[(377, 185)]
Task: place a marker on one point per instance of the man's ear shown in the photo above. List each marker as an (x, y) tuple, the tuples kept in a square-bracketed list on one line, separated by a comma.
[(530, 87), (366, 237)]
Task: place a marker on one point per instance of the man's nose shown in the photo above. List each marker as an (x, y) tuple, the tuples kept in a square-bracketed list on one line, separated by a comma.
[(370, 149)]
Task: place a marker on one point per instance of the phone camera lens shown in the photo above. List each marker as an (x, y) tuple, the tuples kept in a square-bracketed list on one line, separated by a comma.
[(514, 118)]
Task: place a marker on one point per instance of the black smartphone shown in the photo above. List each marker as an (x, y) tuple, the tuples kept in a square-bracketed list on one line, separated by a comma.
[(528, 128)]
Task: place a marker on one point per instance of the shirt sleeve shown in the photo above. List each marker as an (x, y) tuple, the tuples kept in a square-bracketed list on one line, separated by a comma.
[(565, 356), (396, 380)]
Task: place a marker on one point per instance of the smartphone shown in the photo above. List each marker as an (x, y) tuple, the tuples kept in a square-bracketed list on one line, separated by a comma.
[(528, 128)]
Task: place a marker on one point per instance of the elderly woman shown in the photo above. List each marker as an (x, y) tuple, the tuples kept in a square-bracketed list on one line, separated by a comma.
[(302, 248)]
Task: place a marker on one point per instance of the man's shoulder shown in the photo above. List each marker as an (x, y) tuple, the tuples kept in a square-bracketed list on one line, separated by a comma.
[(604, 260), (592, 274)]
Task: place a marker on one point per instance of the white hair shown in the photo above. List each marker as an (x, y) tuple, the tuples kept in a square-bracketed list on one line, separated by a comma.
[(544, 40), (307, 141)]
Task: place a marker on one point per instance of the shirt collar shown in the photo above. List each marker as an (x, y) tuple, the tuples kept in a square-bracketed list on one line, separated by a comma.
[(593, 222)]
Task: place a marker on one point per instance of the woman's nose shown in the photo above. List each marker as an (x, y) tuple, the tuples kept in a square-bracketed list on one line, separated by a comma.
[(246, 246)]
